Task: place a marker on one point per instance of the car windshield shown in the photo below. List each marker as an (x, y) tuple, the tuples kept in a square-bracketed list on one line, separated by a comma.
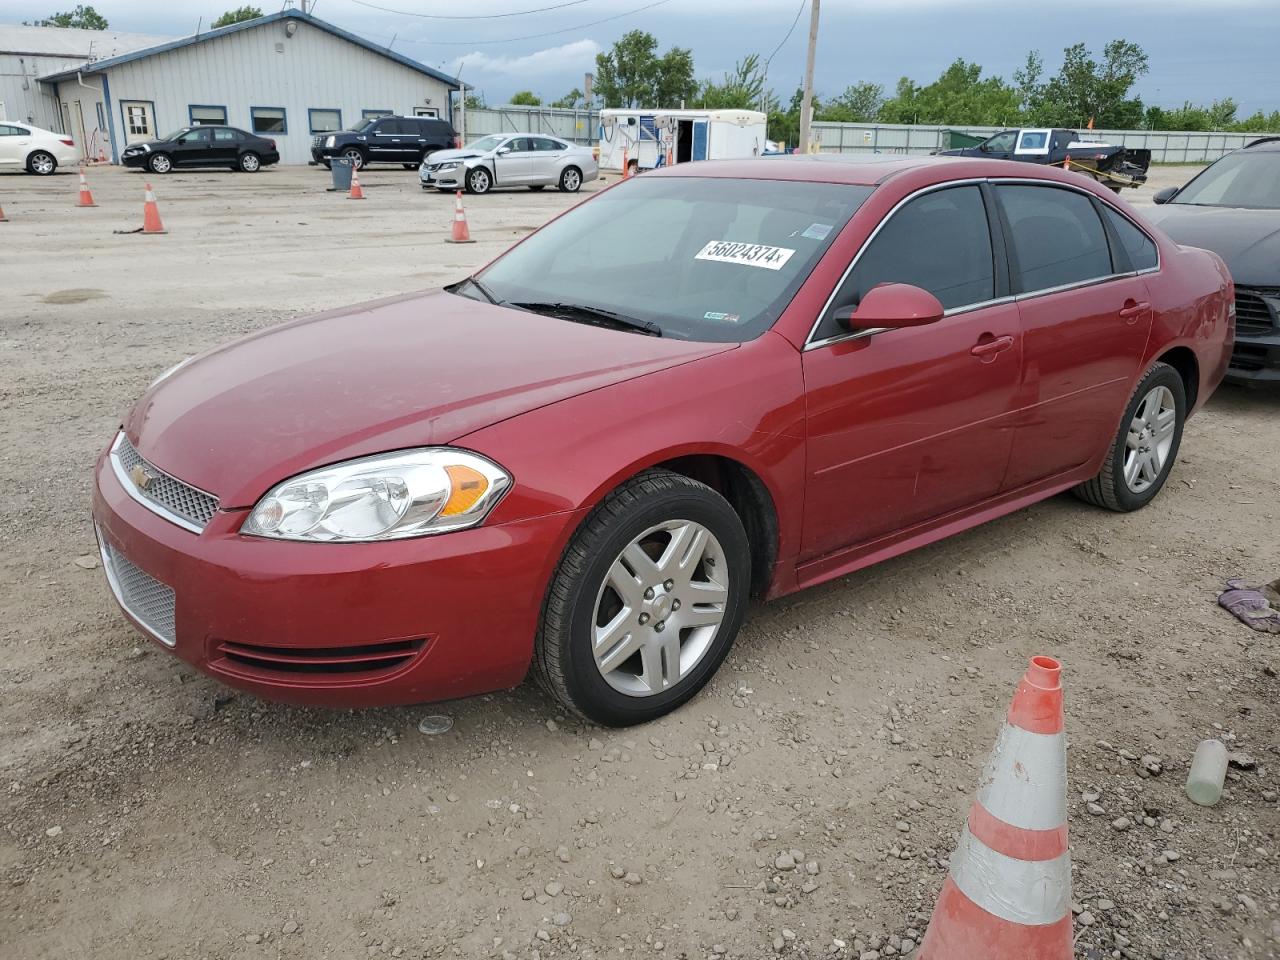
[(177, 133), (695, 258), (1244, 179), (485, 144)]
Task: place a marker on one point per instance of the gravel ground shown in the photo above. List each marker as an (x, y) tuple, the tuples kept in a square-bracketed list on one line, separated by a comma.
[(804, 804)]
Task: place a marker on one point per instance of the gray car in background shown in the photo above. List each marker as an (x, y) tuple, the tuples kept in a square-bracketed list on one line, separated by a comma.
[(510, 160)]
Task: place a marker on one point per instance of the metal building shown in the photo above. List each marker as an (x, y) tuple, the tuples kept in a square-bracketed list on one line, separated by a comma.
[(287, 76)]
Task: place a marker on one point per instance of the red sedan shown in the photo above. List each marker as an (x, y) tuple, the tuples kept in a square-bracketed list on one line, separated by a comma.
[(707, 383)]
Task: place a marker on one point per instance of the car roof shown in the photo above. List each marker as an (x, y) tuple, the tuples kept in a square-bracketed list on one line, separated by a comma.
[(1271, 144), (858, 169)]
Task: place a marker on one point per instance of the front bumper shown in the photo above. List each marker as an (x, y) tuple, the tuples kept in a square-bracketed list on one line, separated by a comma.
[(454, 179), (341, 625), (1255, 359), (135, 160)]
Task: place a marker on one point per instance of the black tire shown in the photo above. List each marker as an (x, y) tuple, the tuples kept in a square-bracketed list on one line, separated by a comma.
[(327, 164), (42, 163), (570, 180), (479, 180), (356, 156), (250, 162), (563, 663), (409, 166), (535, 187), (162, 161), (1109, 488)]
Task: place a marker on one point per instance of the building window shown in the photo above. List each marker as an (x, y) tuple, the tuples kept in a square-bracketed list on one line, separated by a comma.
[(268, 120), (324, 120), (375, 114), (201, 115)]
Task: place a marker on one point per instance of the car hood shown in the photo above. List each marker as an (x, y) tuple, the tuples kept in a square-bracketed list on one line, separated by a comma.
[(438, 155), (411, 371), (1247, 240), (151, 144)]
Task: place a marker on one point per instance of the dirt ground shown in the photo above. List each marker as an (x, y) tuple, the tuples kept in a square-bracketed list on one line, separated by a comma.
[(150, 813)]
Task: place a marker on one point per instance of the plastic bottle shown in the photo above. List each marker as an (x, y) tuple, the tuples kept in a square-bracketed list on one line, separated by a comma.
[(1208, 770)]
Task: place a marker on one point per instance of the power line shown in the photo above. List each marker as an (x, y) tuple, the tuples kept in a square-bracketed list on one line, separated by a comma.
[(477, 16), (786, 37), (536, 36)]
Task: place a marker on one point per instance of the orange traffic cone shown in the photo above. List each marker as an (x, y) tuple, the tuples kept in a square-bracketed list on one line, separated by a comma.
[(86, 198), (1008, 895), (3, 218), (1066, 163), (356, 193), (626, 164), (151, 213), (460, 232)]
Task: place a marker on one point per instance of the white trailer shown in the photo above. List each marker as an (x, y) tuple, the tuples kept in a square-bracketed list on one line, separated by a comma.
[(654, 138)]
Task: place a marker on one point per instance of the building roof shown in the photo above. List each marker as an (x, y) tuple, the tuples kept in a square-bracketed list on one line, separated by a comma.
[(290, 14), (21, 40)]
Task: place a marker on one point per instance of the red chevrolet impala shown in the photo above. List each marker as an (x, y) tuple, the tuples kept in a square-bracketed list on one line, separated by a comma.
[(710, 382)]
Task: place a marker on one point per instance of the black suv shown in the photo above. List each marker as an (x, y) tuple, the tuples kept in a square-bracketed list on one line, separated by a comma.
[(403, 140)]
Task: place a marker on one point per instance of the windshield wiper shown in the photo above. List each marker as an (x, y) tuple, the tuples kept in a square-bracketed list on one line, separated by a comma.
[(483, 290), (582, 313)]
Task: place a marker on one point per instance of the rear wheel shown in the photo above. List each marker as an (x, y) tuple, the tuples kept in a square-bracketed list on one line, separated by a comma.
[(1146, 446), (571, 180), (646, 602), (160, 163), (41, 163), (250, 162)]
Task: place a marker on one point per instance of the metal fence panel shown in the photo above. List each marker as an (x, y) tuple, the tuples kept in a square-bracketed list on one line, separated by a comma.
[(578, 126)]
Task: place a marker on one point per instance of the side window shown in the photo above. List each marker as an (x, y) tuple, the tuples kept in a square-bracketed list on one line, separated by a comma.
[(1055, 235), (940, 242), (1001, 142), (1140, 247), (224, 134), (387, 128), (543, 145), (198, 135), (518, 145), (8, 131)]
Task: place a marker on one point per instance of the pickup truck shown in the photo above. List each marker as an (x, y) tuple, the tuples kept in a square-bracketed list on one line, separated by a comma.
[(1116, 167)]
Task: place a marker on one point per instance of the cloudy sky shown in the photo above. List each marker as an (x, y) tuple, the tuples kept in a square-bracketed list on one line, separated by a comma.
[(1200, 50)]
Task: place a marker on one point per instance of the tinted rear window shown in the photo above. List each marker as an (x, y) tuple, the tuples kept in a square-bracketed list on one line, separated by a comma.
[(1056, 237), (1136, 244)]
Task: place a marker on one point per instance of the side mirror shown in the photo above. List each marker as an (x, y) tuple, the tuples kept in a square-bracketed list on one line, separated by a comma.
[(503, 151), (892, 306), (1165, 195)]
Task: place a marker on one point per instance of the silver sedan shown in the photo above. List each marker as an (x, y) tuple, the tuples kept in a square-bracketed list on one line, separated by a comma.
[(510, 160)]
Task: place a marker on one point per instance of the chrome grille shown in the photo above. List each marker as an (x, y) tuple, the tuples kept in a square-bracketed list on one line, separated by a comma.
[(168, 496), (316, 141), (1253, 313), (141, 595)]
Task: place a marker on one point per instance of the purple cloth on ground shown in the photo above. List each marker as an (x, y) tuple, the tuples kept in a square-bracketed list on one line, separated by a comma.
[(1250, 607)]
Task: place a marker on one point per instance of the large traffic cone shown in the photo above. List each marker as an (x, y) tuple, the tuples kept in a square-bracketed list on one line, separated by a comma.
[(1008, 895), (356, 193), (151, 213), (3, 218), (460, 232), (86, 198)]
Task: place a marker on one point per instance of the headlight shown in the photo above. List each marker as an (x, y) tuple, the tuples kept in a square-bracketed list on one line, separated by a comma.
[(330, 141), (170, 372), (448, 165), (390, 496)]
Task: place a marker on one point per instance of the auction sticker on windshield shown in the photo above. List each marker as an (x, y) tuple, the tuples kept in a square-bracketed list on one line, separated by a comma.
[(748, 254)]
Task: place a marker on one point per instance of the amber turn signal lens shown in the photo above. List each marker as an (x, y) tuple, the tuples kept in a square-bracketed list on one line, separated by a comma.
[(468, 487)]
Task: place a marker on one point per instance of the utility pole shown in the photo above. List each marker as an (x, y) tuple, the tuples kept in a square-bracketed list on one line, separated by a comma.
[(806, 103)]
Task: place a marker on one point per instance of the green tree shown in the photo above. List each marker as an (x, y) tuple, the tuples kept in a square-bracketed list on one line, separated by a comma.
[(82, 18), (572, 100), (1084, 89), (860, 103), (238, 15), (633, 75), (959, 96), (784, 125), (475, 100), (741, 89), (526, 98)]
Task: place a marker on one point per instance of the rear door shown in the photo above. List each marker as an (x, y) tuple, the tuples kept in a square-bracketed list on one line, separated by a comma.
[(1085, 318), (225, 147), (908, 425), (15, 144), (385, 141), (544, 163)]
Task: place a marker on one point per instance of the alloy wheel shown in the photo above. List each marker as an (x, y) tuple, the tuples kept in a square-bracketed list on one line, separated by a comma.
[(249, 163), (43, 164), (479, 181), (1150, 439), (160, 163), (356, 158), (658, 611), (572, 180)]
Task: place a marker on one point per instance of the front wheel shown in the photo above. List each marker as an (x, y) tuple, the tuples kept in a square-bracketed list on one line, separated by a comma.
[(160, 163), (479, 181), (1144, 450), (646, 602), (42, 164), (356, 158), (571, 180), (250, 163)]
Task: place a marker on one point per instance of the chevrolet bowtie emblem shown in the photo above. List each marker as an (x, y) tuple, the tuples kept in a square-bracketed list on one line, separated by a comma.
[(141, 479)]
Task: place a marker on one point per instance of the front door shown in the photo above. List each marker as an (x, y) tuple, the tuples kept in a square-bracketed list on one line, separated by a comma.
[(1086, 318), (513, 161), (907, 425), (139, 121), (192, 149), (1000, 147)]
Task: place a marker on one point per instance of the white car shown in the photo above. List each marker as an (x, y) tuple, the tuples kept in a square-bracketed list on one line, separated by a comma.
[(37, 151), (510, 160)]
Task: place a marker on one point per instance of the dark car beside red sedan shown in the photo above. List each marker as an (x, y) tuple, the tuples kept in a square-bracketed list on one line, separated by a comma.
[(713, 382)]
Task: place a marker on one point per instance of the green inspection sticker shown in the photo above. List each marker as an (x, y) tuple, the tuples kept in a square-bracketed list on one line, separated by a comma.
[(722, 317)]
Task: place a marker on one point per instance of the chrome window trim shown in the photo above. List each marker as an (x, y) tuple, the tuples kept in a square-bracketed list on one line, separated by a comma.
[(157, 508), (108, 567), (811, 344)]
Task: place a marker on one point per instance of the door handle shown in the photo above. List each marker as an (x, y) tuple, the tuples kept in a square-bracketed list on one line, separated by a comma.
[(986, 350), (1132, 310)]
